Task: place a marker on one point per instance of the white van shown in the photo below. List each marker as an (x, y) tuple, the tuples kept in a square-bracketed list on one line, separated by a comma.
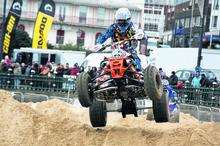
[(41, 56)]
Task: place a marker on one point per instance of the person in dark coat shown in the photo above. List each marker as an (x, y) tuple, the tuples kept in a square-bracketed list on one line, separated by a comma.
[(204, 81), (173, 79)]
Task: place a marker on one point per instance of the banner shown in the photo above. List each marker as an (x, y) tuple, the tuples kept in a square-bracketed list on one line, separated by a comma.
[(9, 26), (43, 24)]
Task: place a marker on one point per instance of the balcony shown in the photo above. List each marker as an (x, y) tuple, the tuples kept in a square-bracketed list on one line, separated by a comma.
[(71, 20), (85, 21)]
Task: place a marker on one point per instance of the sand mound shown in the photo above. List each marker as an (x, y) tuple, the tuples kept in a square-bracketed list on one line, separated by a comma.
[(57, 123)]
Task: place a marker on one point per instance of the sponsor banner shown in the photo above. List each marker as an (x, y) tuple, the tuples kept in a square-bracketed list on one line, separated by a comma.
[(43, 24), (9, 26)]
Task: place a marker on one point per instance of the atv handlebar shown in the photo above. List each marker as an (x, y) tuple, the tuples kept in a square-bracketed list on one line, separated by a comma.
[(134, 37)]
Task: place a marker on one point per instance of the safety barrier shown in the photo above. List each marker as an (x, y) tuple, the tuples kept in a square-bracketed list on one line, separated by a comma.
[(65, 87), (51, 86), (202, 113), (209, 97)]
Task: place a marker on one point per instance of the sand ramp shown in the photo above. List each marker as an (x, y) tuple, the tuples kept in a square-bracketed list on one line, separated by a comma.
[(57, 123)]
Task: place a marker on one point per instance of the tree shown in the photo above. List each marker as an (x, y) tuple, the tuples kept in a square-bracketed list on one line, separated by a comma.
[(20, 39)]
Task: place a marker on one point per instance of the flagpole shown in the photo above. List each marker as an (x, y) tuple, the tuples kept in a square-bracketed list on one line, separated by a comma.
[(191, 22), (203, 16), (3, 23)]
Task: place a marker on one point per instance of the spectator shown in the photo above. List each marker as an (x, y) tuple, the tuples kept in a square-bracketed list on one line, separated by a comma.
[(173, 79), (53, 67), (196, 81), (180, 85), (7, 61), (45, 71), (17, 71), (23, 68), (1, 66), (74, 71), (59, 70), (28, 70), (204, 81), (34, 69), (67, 69), (162, 74)]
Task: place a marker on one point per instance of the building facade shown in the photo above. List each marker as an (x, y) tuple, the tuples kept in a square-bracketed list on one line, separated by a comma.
[(154, 17), (77, 20), (186, 24), (215, 18)]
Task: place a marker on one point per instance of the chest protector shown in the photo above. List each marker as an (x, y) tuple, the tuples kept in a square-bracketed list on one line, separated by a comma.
[(118, 36)]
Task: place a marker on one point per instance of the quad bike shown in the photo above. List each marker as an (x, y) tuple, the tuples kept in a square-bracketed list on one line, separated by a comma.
[(119, 80)]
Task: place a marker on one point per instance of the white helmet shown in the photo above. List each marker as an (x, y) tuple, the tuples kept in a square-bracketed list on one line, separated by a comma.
[(122, 14), (122, 18)]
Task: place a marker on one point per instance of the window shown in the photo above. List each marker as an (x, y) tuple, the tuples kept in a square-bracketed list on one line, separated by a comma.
[(182, 22), (151, 27), (197, 21), (24, 6), (80, 37), (214, 21), (62, 13), (148, 11), (177, 23), (101, 15), (60, 36), (187, 22), (82, 14), (216, 5), (157, 12)]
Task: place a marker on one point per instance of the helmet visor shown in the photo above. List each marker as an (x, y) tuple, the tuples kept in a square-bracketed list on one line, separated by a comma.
[(122, 22)]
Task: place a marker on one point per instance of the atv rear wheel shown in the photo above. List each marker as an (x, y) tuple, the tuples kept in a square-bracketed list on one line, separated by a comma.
[(82, 89), (98, 114), (161, 109), (152, 83)]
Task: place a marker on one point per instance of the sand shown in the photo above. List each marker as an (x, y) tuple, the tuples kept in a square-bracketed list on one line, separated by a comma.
[(57, 123)]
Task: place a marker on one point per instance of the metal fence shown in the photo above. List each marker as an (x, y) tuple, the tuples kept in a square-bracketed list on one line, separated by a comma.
[(202, 103), (208, 97), (65, 86), (52, 86), (202, 113)]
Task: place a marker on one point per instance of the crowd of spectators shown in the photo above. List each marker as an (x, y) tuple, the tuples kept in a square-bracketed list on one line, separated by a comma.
[(196, 80), (50, 69), (7, 66)]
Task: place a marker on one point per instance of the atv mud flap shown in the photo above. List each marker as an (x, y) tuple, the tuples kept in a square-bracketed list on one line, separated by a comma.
[(129, 107)]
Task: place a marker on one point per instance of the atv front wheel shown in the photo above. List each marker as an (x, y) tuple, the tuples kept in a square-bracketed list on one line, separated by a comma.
[(161, 109), (98, 114), (82, 89), (152, 83)]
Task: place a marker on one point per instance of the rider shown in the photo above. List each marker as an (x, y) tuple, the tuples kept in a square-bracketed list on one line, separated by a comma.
[(122, 29)]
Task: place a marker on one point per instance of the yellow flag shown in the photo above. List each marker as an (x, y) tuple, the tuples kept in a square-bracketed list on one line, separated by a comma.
[(42, 27), (43, 24)]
